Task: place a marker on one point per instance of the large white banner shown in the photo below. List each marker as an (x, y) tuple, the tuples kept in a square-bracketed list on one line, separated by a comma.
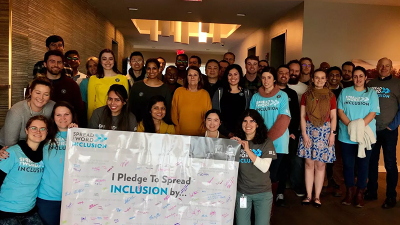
[(114, 177)]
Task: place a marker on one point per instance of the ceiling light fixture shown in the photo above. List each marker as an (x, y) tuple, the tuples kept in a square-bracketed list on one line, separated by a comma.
[(240, 14), (133, 9), (202, 35), (189, 12)]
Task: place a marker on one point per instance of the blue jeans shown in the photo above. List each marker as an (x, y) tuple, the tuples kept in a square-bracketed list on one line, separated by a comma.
[(49, 211), (349, 156), (262, 208), (33, 219), (387, 139)]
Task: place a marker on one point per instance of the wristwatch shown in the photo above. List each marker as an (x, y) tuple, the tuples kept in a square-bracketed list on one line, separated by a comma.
[(334, 132)]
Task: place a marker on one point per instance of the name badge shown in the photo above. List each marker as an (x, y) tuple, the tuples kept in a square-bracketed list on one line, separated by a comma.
[(243, 202)]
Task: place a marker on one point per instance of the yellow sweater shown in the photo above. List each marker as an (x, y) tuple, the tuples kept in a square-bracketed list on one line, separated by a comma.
[(188, 111), (98, 88), (164, 128)]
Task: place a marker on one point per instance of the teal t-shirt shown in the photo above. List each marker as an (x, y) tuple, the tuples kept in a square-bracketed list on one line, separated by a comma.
[(20, 187), (270, 108), (52, 180), (357, 105)]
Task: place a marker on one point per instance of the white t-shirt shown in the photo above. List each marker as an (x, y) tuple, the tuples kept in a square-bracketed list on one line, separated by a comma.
[(300, 88)]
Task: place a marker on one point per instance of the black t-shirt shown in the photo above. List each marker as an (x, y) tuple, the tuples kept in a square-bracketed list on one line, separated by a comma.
[(250, 179), (232, 107)]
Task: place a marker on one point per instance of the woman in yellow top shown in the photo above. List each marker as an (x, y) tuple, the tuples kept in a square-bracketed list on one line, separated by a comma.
[(107, 75), (153, 120), (190, 104)]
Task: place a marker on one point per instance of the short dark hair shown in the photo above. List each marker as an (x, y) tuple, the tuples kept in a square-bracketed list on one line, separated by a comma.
[(42, 81), (201, 82), (70, 52), (225, 83), (270, 70), (264, 61), (282, 66), (152, 60), (332, 69), (224, 61), (53, 52), (196, 57), (136, 54), (212, 111), (184, 55), (295, 61), (231, 53), (348, 63), (251, 57), (213, 60), (100, 69), (53, 39), (261, 131)]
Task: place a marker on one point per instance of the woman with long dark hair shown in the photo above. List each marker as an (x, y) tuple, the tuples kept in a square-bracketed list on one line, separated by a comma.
[(107, 75), (231, 99), (254, 184), (357, 105), (153, 120), (115, 114), (19, 181), (318, 124)]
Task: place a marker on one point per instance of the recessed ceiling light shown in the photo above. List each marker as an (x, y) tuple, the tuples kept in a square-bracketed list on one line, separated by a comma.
[(240, 14), (189, 12), (207, 49), (133, 9)]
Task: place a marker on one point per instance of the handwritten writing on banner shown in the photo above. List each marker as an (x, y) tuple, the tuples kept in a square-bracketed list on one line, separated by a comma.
[(114, 177)]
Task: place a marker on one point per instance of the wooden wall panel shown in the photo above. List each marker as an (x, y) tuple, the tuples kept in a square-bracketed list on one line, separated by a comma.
[(81, 27), (4, 57)]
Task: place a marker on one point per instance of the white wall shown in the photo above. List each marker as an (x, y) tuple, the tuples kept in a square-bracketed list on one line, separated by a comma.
[(338, 32)]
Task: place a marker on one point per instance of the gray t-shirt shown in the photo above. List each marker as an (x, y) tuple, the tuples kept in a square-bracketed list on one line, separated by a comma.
[(96, 123), (250, 179), (388, 91), (16, 118)]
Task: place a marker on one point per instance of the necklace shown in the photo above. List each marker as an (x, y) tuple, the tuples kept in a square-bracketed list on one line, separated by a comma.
[(41, 112), (217, 134)]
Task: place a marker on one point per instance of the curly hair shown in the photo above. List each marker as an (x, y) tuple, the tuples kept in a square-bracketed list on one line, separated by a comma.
[(261, 130)]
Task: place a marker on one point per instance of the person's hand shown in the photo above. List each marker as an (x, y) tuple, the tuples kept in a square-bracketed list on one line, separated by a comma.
[(388, 128), (237, 139), (292, 136), (3, 153), (245, 144), (72, 125), (331, 140), (306, 141)]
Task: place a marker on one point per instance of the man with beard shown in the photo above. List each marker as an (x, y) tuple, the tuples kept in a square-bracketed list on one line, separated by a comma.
[(347, 74), (261, 65), (334, 171), (286, 166), (297, 164), (54, 42), (64, 88), (223, 64), (252, 81), (73, 59), (307, 70), (181, 64), (388, 88), (212, 71), (136, 72)]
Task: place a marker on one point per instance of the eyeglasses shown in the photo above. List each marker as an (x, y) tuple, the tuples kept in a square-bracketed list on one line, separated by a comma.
[(138, 62), (73, 58), (305, 65), (36, 129), (180, 61)]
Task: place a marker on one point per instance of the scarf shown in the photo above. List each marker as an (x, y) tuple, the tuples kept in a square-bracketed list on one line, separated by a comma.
[(318, 105)]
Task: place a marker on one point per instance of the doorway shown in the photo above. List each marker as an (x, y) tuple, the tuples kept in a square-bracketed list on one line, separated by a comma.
[(278, 50), (251, 51)]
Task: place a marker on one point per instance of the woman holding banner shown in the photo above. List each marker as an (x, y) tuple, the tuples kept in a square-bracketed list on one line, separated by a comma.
[(20, 175), (153, 120), (254, 184), (115, 114)]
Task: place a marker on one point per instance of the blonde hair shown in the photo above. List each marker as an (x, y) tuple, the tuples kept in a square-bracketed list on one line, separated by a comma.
[(94, 59)]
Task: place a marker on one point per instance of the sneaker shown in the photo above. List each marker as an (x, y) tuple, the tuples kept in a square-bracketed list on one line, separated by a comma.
[(280, 201), (299, 192)]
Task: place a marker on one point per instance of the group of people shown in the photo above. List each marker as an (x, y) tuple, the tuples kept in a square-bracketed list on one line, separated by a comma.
[(294, 122)]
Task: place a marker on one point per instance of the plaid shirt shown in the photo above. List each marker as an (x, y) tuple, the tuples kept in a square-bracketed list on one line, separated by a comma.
[(254, 85), (40, 68)]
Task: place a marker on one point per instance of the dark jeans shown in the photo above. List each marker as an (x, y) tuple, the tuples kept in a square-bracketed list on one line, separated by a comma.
[(296, 175), (274, 168), (33, 219), (387, 140), (49, 211), (349, 156)]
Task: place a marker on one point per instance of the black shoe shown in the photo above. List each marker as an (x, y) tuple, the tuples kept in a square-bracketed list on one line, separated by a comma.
[(280, 203), (306, 201), (317, 203), (389, 203), (299, 192), (368, 196)]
